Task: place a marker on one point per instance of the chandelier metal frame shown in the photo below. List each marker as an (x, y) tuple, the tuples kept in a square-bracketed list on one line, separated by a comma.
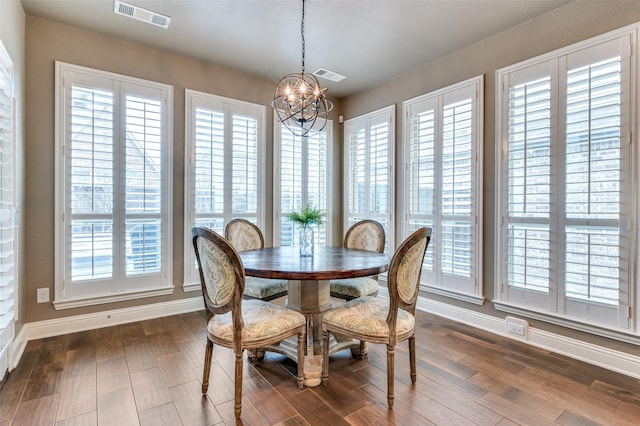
[(299, 100)]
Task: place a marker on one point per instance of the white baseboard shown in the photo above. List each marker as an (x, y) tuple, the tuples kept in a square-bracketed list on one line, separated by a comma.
[(76, 323), (601, 356), (611, 359)]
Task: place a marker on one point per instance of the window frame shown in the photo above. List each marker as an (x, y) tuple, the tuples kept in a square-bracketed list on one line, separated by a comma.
[(119, 286), (365, 123), (228, 107), (561, 309), (278, 214), (470, 289)]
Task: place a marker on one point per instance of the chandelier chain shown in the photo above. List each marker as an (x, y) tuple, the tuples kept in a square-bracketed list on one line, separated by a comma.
[(302, 33)]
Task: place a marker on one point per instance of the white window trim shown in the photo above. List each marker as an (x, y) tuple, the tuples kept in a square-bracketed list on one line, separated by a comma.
[(191, 279), (383, 114), (477, 295), (164, 279), (278, 214), (500, 303)]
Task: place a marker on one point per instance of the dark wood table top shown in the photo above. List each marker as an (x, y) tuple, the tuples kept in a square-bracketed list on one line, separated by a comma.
[(327, 263)]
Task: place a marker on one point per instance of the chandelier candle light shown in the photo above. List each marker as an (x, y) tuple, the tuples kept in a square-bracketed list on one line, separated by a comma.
[(299, 100)]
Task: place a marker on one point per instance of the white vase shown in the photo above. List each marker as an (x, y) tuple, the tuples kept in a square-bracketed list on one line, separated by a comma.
[(306, 241)]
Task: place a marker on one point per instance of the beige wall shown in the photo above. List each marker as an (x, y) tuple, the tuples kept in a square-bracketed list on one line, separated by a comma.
[(12, 29), (566, 25), (47, 42)]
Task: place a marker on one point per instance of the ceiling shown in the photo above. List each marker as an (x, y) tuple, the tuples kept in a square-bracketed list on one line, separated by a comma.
[(369, 41)]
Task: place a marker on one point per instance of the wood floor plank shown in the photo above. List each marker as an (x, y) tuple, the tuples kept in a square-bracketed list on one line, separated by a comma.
[(37, 411), (117, 408), (163, 415), (175, 369), (139, 357), (149, 389), (113, 374), (193, 408), (88, 419), (221, 387), (78, 396), (314, 410)]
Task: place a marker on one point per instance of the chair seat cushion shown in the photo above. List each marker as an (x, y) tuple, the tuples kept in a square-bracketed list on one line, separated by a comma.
[(262, 320), (263, 288), (354, 287), (367, 316)]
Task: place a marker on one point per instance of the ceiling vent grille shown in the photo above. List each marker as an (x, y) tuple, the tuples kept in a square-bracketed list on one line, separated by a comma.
[(328, 75), (144, 15)]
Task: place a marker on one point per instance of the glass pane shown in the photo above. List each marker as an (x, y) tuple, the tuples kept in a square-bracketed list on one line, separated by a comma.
[(209, 161), (529, 150), (244, 180), (143, 246), (91, 250), (528, 264), (422, 164), (143, 163), (91, 151)]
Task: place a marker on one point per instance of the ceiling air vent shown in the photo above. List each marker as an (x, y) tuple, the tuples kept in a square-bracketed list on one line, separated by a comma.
[(329, 75), (144, 15)]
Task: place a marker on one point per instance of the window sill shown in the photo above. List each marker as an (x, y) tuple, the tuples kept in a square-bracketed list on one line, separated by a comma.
[(120, 297)]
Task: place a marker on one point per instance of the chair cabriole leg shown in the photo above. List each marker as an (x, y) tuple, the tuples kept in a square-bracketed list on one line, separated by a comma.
[(237, 408), (412, 357), (302, 337), (325, 356), (207, 366), (390, 374)]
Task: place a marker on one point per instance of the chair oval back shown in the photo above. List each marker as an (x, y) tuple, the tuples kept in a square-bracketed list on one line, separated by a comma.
[(243, 235), (365, 235), (221, 273), (405, 269)]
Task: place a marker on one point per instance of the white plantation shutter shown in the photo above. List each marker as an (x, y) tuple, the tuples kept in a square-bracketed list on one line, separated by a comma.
[(444, 184), (224, 145), (301, 179), (368, 170), (114, 186), (567, 175), (8, 259)]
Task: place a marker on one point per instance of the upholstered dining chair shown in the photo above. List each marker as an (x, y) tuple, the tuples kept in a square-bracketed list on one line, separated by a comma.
[(245, 235), (364, 235), (371, 319), (233, 322)]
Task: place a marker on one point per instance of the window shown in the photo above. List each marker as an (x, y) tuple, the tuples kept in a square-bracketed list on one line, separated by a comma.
[(301, 178), (368, 170), (224, 172), (443, 181), (565, 184), (113, 187), (8, 260)]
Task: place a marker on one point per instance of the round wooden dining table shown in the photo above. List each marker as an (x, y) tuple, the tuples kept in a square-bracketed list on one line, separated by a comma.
[(309, 277)]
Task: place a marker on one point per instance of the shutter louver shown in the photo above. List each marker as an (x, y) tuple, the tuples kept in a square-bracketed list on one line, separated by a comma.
[(143, 121), (244, 180), (593, 161), (529, 184), (8, 230), (209, 168), (91, 185)]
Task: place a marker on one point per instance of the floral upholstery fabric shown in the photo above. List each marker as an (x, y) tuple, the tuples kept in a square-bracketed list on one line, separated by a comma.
[(263, 288), (364, 236), (368, 315), (261, 320), (409, 270), (354, 287), (244, 237), (219, 277)]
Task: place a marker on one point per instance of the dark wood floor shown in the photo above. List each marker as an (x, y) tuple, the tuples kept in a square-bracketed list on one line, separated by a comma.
[(149, 373)]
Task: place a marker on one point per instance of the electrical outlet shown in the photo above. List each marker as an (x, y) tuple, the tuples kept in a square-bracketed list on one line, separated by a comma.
[(43, 295), (516, 327)]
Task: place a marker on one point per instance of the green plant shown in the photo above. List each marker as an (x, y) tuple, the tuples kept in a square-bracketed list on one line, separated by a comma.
[(307, 216)]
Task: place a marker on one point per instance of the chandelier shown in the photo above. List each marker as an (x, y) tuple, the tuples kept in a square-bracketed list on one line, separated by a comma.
[(299, 100)]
